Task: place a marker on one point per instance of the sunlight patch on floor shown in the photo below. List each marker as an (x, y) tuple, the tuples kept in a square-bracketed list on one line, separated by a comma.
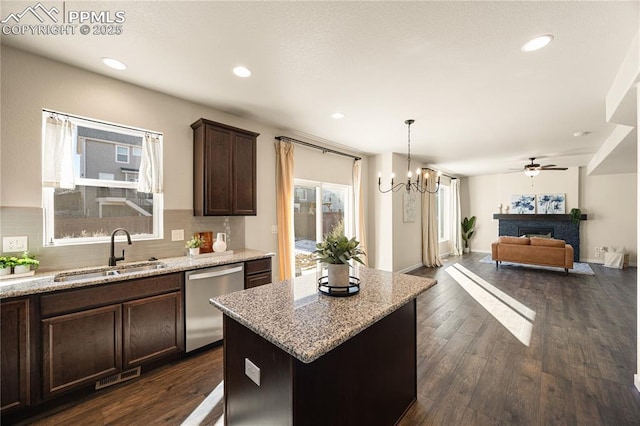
[(202, 411), (513, 315)]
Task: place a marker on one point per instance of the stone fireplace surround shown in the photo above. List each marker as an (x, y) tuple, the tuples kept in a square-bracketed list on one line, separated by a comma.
[(559, 225)]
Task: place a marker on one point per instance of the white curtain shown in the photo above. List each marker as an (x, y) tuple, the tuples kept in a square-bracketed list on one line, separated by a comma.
[(430, 249), (284, 208), (456, 230), (57, 153), (150, 176), (359, 208)]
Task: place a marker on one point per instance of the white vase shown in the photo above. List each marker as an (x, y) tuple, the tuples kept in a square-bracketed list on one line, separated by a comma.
[(338, 275), (21, 269), (5, 271), (221, 242), (194, 251)]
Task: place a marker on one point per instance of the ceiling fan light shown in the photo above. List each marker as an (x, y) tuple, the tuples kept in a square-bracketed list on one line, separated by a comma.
[(532, 172)]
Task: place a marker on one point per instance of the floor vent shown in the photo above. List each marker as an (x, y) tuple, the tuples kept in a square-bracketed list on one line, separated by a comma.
[(118, 378)]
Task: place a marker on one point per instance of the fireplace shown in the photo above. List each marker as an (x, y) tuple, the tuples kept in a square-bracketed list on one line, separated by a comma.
[(559, 226), (535, 231)]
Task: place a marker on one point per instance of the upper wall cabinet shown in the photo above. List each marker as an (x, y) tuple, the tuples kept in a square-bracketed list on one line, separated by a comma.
[(224, 170)]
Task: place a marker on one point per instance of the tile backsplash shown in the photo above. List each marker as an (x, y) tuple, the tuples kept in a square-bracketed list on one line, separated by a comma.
[(26, 221)]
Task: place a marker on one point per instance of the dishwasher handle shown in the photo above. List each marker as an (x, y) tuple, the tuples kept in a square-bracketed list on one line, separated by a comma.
[(215, 273)]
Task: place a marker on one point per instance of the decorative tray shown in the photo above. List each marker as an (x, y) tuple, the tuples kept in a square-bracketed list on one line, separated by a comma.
[(339, 291)]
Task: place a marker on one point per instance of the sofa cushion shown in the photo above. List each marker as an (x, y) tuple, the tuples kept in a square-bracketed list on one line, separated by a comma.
[(514, 240), (547, 242)]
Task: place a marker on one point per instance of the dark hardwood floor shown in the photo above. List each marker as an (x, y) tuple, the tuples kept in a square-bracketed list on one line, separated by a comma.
[(577, 370)]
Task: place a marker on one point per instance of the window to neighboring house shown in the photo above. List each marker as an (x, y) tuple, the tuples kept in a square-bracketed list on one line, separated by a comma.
[(318, 208), (137, 152), (105, 194), (122, 154)]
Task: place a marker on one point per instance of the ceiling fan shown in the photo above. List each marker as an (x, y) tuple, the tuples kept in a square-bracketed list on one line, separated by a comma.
[(533, 169)]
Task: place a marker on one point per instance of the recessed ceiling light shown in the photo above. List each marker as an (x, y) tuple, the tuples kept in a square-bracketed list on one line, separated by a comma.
[(337, 115), (578, 134), (537, 43), (241, 71), (114, 63)]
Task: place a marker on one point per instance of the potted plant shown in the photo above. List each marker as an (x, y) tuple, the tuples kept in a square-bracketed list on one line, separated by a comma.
[(576, 215), (194, 245), (25, 263), (6, 263), (467, 231), (336, 251)]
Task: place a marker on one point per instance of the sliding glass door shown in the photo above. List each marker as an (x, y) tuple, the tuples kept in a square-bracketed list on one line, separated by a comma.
[(318, 208)]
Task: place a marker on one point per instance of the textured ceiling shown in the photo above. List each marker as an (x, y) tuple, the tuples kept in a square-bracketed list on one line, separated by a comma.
[(480, 104)]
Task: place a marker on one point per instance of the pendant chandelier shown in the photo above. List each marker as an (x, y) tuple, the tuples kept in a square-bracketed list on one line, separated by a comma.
[(409, 185)]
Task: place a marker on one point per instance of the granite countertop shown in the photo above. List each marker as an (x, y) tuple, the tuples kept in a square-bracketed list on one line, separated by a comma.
[(44, 282), (306, 324)]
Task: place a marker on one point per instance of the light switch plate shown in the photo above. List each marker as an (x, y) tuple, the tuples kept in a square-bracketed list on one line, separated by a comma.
[(14, 244), (252, 371), (274, 229), (177, 235)]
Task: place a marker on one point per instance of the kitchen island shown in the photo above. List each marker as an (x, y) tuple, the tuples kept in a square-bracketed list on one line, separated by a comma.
[(295, 356)]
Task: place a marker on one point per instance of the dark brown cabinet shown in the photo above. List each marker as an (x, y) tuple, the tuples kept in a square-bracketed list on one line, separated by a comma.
[(96, 332), (224, 170), (80, 348), (257, 272), (15, 363), (152, 328)]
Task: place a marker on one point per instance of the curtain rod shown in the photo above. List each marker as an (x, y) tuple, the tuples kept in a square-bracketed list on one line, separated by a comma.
[(321, 148), (50, 111), (445, 175)]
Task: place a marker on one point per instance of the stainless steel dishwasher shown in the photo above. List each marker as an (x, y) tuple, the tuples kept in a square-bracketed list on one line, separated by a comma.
[(203, 322)]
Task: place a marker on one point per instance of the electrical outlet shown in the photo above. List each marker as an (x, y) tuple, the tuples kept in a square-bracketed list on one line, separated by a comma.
[(252, 371), (177, 235), (597, 249), (274, 229), (14, 244), (597, 254)]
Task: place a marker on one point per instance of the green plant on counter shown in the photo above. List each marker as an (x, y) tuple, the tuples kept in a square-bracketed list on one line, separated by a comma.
[(194, 242), (467, 229), (576, 215), (337, 249), (7, 262), (27, 259)]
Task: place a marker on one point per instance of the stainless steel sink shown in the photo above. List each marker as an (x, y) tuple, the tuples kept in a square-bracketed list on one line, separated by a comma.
[(84, 274)]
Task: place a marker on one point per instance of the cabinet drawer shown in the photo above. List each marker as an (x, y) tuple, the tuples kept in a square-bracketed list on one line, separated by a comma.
[(257, 266), (101, 295), (257, 280)]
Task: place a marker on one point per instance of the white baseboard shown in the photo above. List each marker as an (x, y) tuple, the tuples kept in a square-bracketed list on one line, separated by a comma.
[(636, 381), (410, 268)]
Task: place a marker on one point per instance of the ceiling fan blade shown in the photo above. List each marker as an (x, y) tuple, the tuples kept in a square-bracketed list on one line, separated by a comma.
[(553, 168), (548, 165)]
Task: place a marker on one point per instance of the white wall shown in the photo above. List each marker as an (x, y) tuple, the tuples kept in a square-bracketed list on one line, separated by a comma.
[(380, 215), (407, 236), (611, 205)]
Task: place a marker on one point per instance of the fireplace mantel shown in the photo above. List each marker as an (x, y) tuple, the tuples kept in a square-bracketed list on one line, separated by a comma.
[(562, 217)]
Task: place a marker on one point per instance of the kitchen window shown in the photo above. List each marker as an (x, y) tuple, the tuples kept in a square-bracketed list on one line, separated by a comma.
[(88, 191)]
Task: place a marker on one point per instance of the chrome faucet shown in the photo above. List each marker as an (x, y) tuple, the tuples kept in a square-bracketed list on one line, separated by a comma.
[(112, 258)]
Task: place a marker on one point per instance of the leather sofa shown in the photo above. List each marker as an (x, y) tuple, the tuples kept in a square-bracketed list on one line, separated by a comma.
[(533, 251)]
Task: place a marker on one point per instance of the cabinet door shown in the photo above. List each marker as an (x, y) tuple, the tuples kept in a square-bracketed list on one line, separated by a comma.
[(153, 328), (15, 356), (218, 171), (80, 348), (244, 175)]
